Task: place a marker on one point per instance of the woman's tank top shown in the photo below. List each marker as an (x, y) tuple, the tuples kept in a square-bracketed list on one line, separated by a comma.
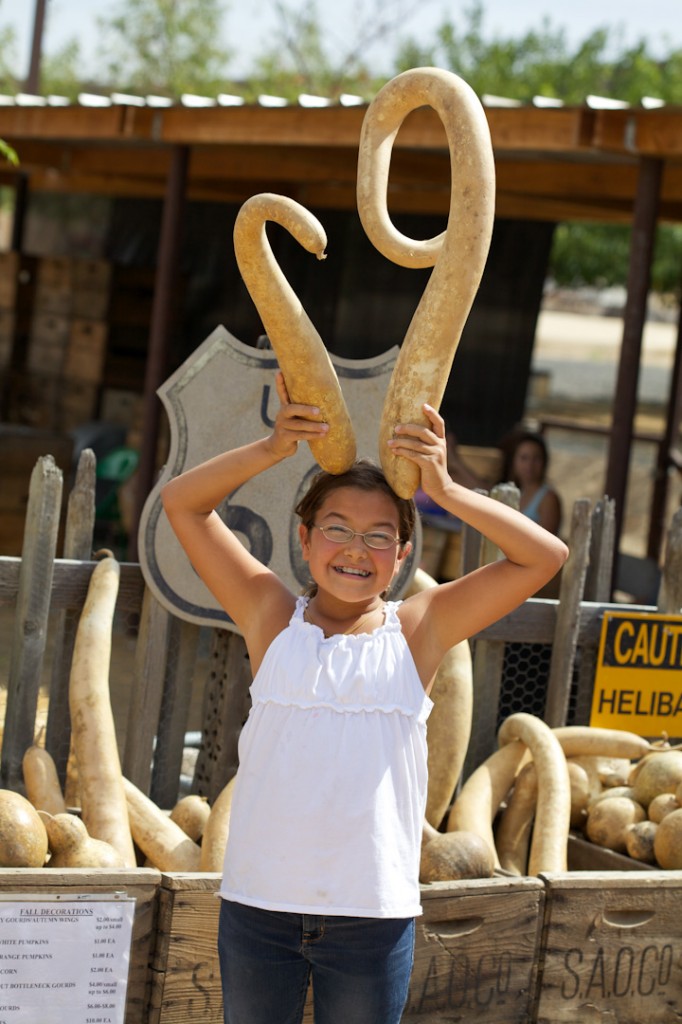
[(532, 509), (331, 790)]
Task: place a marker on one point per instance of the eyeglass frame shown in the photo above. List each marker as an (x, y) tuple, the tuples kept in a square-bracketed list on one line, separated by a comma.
[(352, 534)]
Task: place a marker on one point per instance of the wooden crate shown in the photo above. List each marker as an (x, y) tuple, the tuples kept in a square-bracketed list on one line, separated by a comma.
[(55, 272), (92, 275), (54, 285), (86, 350), (32, 400), (586, 856), (77, 403), (91, 289), (142, 883), (17, 280), (475, 952), (47, 342), (611, 948), (185, 976)]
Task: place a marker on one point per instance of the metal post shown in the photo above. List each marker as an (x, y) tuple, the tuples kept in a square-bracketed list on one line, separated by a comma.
[(639, 275), (657, 524), (32, 83), (162, 309)]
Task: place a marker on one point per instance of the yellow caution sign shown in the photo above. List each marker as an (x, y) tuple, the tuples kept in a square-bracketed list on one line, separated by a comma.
[(638, 681)]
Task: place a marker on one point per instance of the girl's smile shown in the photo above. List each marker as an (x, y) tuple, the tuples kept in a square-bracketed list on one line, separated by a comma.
[(353, 561)]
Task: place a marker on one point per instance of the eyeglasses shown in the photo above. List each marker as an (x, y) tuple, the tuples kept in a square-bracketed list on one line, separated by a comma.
[(339, 534)]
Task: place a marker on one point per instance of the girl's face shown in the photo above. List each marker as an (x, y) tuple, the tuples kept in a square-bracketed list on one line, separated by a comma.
[(352, 570), (529, 463)]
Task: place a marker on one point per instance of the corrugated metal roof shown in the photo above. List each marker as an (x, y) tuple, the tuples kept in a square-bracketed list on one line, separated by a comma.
[(90, 99)]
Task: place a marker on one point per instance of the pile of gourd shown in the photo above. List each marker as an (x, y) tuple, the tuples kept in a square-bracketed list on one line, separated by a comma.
[(616, 788), (109, 823), (636, 808)]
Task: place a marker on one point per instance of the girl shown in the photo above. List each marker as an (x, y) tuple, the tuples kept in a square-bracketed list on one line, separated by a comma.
[(321, 868)]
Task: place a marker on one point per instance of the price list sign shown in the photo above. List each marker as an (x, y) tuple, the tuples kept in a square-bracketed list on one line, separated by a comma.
[(64, 957)]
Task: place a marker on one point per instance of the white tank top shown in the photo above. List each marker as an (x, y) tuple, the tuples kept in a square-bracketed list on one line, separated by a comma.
[(331, 790)]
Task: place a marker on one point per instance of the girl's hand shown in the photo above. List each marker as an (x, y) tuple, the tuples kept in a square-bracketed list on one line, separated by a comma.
[(426, 447), (294, 423)]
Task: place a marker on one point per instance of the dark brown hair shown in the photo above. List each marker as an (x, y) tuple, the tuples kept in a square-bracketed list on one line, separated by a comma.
[(512, 445), (367, 477)]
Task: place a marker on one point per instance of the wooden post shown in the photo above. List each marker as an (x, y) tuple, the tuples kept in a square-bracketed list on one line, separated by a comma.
[(597, 590), (670, 594), (667, 442), (151, 654), (165, 291), (32, 609), (183, 640), (488, 663), (568, 616), (639, 275), (79, 526), (601, 556)]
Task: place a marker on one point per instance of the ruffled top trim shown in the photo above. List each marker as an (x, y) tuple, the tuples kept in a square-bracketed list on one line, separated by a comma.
[(346, 672)]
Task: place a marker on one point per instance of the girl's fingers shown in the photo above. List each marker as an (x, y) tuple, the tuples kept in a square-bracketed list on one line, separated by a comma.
[(304, 416), (436, 419), (281, 388)]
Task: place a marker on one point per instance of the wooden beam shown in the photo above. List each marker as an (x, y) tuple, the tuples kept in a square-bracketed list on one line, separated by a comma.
[(60, 122), (646, 132)]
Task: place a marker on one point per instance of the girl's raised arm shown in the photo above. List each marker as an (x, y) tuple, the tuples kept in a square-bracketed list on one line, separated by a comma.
[(439, 617), (239, 582)]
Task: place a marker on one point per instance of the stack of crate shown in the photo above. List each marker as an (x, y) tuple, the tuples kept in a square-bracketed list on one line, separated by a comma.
[(88, 337), (67, 342)]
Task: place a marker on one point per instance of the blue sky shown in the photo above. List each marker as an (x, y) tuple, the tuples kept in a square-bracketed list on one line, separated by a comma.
[(659, 21)]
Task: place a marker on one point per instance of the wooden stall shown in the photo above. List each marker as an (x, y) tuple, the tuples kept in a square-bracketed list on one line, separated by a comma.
[(501, 949)]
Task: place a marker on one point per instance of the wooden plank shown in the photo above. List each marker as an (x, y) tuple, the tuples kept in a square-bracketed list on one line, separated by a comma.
[(488, 662), (610, 948), (151, 654), (578, 180), (670, 593), (142, 883), (567, 624), (72, 122), (600, 561), (582, 855), (183, 640), (30, 625), (70, 583), (80, 522)]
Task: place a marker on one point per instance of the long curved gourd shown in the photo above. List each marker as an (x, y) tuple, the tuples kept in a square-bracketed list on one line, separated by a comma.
[(448, 729), (458, 255), (308, 371)]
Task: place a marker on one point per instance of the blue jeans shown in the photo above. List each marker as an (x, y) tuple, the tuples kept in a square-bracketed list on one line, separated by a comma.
[(360, 966)]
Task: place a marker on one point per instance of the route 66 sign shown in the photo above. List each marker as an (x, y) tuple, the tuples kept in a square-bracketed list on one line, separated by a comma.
[(222, 397)]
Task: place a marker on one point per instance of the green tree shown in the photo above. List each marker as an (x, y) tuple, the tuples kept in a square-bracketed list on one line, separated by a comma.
[(8, 44), (305, 57), (61, 72), (167, 47), (543, 62)]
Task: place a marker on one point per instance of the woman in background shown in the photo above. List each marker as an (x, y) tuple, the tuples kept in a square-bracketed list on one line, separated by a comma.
[(526, 465)]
